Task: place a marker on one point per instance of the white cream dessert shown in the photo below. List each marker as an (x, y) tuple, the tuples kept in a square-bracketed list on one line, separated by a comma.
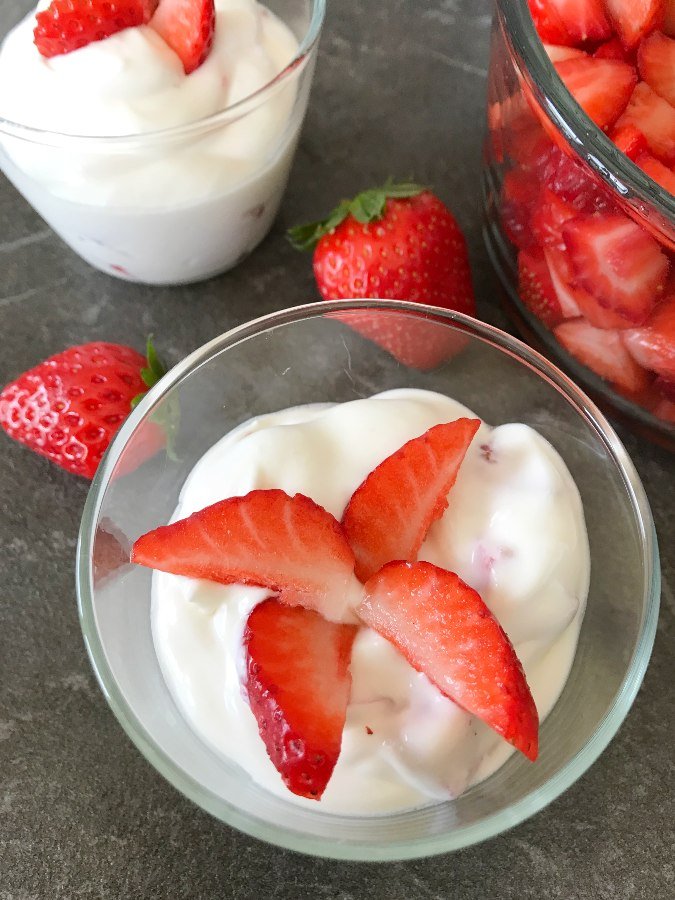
[(161, 209), (514, 531)]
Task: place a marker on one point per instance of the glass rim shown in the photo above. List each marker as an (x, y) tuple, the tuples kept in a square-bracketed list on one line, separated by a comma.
[(464, 836), (621, 175), (230, 113)]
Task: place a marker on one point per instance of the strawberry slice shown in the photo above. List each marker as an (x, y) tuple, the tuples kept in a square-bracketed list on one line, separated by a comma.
[(656, 62), (655, 118), (630, 140), (613, 49), (570, 182), (67, 25), (618, 262), (518, 202), (557, 53), (536, 289), (548, 22), (583, 20), (549, 217), (560, 270), (633, 19), (390, 513), (298, 684), (603, 352), (188, 27), (601, 87), (657, 171), (445, 630), (653, 345), (669, 18), (290, 545)]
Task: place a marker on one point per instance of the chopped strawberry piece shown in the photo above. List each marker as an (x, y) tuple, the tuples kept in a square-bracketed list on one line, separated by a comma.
[(656, 62), (630, 140), (536, 289), (570, 182), (618, 262), (188, 27), (601, 87), (548, 22), (603, 352), (584, 20), (560, 270), (390, 513), (298, 684), (669, 18), (445, 630), (290, 545), (557, 53), (549, 217), (518, 202), (653, 345), (599, 316), (613, 49), (634, 19), (67, 25), (657, 171), (655, 118)]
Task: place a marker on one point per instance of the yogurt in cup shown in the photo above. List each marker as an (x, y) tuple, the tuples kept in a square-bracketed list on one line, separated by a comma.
[(150, 174)]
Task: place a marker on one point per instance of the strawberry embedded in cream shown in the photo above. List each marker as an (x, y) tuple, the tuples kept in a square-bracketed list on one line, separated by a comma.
[(404, 742)]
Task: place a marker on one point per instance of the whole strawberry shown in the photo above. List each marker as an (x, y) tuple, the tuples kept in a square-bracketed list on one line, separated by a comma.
[(69, 407), (397, 242)]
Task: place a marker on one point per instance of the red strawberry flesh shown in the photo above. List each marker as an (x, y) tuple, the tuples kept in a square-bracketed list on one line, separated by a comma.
[(188, 27), (290, 545), (655, 118), (445, 630), (603, 351), (390, 513), (602, 87), (536, 289), (298, 685), (633, 19), (653, 345), (68, 25), (656, 62)]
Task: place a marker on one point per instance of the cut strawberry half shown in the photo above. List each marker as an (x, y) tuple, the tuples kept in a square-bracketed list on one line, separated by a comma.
[(604, 353), (618, 262), (601, 87), (290, 545), (657, 171), (656, 62), (655, 118), (445, 630), (653, 345), (634, 19), (536, 289), (298, 684), (390, 513), (630, 140), (67, 25), (188, 27), (518, 202)]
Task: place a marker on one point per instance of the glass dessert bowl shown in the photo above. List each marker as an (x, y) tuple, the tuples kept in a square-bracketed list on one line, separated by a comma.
[(307, 356), (554, 183), (148, 173)]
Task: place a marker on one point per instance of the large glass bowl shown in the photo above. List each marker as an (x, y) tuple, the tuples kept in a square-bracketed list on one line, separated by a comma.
[(540, 140), (307, 355)]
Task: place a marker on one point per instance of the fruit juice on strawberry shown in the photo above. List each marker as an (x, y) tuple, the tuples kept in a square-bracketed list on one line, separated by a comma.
[(176, 206), (513, 531), (600, 280)]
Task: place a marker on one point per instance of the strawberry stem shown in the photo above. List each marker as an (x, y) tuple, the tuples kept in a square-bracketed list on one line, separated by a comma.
[(152, 373), (368, 206)]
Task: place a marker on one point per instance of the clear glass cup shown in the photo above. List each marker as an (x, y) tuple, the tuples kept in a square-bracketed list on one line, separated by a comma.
[(307, 355), (177, 205), (538, 137)]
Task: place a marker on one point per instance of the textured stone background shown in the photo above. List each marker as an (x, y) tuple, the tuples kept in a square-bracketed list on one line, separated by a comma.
[(400, 89)]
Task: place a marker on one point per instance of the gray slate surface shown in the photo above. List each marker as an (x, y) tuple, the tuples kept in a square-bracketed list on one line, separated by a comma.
[(400, 89)]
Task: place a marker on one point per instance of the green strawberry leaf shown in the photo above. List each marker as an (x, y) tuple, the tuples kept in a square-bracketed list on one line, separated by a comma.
[(168, 418), (368, 206)]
